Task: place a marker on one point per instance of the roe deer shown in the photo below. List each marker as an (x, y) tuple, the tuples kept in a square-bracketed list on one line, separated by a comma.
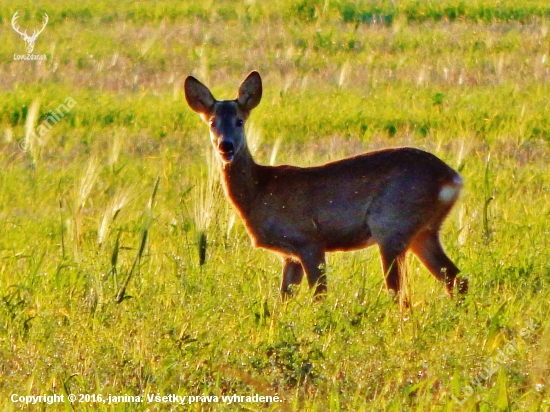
[(396, 198)]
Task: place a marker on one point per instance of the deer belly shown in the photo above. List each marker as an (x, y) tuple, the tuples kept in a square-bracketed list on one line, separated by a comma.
[(287, 237), (344, 232), (290, 237), (348, 240)]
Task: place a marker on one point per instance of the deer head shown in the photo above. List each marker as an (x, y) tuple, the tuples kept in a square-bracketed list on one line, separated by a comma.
[(225, 118), (29, 40)]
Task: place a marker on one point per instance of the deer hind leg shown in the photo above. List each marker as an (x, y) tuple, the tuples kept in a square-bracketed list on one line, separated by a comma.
[(427, 247), (393, 264), (393, 234), (293, 273)]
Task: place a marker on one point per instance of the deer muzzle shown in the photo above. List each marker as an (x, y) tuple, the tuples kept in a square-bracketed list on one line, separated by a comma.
[(226, 150)]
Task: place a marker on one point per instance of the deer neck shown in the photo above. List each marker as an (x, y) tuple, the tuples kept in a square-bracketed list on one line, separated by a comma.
[(240, 180)]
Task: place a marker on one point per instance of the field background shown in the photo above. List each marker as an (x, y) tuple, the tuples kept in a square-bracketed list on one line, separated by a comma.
[(201, 315)]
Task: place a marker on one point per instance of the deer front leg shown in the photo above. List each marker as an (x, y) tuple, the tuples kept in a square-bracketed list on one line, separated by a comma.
[(313, 262), (293, 273)]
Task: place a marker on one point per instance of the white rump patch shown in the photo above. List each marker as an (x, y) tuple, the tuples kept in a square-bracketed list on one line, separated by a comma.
[(449, 192)]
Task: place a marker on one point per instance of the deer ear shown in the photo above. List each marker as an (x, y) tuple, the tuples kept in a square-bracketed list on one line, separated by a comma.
[(198, 96), (250, 92)]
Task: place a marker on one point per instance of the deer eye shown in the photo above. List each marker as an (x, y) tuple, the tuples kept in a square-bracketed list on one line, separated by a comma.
[(239, 122)]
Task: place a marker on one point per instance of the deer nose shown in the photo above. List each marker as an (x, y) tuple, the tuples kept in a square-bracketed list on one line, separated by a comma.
[(227, 150)]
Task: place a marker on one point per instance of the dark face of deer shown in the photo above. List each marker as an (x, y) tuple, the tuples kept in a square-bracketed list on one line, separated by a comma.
[(225, 118), (227, 130)]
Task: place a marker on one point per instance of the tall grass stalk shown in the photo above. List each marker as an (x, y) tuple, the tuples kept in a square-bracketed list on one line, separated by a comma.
[(114, 149), (205, 207), (31, 144), (120, 199), (147, 218), (85, 186)]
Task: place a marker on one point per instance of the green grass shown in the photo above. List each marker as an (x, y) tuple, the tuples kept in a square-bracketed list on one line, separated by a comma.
[(467, 80)]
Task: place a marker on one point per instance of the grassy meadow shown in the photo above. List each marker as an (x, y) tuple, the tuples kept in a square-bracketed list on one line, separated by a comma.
[(124, 271)]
